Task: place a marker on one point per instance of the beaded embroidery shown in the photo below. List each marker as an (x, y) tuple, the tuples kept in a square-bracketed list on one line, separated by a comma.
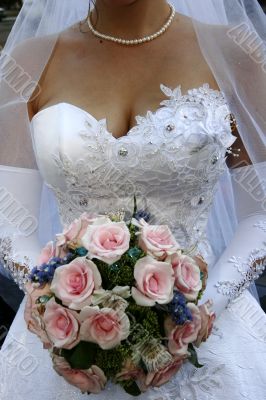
[(250, 270), (19, 269), (261, 225), (173, 157)]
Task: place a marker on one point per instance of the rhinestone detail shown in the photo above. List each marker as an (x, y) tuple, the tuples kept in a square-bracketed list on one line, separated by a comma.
[(122, 152), (170, 127)]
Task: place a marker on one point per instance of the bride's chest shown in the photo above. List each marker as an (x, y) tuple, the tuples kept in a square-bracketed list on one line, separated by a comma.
[(188, 133), (171, 160)]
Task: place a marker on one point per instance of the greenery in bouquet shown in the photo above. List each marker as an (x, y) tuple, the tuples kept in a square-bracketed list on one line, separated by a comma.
[(116, 300)]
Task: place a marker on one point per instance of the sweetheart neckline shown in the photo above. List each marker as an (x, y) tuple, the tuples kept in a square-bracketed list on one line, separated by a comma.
[(205, 86)]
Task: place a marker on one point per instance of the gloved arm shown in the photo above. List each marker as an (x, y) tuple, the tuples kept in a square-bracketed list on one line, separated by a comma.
[(20, 193), (244, 259)]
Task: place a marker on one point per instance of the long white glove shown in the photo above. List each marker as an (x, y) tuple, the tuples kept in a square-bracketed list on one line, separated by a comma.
[(244, 259), (20, 193), (241, 263)]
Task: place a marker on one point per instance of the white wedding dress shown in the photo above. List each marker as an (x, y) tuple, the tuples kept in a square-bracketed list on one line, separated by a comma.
[(171, 160)]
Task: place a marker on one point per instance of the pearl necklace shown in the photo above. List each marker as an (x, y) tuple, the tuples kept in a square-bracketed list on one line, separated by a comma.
[(131, 42)]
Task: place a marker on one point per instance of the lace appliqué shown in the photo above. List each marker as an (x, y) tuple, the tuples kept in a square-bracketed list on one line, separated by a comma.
[(192, 383), (19, 270), (172, 157), (250, 270), (261, 225)]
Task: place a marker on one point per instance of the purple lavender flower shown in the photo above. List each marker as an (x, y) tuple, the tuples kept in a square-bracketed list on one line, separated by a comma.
[(142, 214), (45, 272), (178, 309)]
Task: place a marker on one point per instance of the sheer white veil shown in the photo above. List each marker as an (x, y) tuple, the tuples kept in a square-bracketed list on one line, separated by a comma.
[(231, 35)]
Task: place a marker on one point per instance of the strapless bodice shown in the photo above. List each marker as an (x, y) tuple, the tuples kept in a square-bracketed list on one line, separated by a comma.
[(171, 160)]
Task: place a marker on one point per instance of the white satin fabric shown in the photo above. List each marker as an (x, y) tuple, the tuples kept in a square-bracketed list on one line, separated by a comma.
[(172, 161)]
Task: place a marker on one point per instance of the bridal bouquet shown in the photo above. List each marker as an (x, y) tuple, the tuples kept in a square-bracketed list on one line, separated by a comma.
[(116, 300)]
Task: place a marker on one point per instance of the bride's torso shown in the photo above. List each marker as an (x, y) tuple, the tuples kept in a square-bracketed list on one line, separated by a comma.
[(119, 82), (97, 146)]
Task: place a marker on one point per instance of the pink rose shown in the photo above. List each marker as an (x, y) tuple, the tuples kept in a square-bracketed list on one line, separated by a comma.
[(207, 319), (157, 240), (46, 254), (154, 282), (32, 316), (187, 275), (106, 240), (159, 378), (61, 325), (179, 336), (51, 250), (91, 380), (104, 326), (76, 230), (75, 283), (203, 266)]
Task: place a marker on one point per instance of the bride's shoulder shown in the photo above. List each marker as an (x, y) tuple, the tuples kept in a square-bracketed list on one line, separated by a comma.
[(65, 42), (74, 38)]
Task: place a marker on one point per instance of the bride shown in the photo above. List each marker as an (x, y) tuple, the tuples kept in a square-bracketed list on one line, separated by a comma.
[(140, 97)]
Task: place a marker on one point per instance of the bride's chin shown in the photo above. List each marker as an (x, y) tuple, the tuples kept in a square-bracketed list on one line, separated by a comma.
[(120, 2)]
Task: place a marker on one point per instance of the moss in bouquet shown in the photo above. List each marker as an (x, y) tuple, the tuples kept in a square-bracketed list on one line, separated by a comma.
[(144, 323), (202, 290), (111, 361), (199, 296), (117, 274), (193, 356), (81, 356), (131, 387), (133, 237)]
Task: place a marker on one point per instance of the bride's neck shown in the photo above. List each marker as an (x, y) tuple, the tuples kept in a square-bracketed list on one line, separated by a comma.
[(130, 19)]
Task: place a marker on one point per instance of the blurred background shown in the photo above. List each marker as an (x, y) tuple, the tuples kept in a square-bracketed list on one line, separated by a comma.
[(9, 10)]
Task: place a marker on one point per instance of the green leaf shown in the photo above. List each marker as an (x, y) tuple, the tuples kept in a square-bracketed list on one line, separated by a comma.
[(131, 388), (81, 356), (135, 205), (194, 357), (43, 299)]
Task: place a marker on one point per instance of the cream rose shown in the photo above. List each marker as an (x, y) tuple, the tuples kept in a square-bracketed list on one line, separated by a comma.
[(154, 282), (104, 326), (46, 254), (75, 283), (179, 336), (159, 378), (32, 316), (187, 275), (106, 240), (207, 320), (61, 325), (130, 371), (91, 380)]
